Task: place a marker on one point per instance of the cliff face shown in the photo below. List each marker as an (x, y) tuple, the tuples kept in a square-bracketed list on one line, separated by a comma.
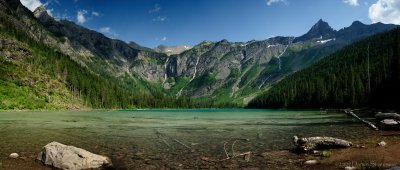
[(225, 71), (172, 50), (211, 68)]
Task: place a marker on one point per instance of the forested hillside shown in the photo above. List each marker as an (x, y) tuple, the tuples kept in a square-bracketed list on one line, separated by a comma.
[(37, 76), (363, 74)]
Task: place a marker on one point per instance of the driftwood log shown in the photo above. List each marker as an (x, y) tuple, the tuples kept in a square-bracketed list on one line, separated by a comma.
[(371, 125), (313, 143)]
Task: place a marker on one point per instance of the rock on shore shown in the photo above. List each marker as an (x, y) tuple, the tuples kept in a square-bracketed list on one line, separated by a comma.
[(72, 158), (14, 155)]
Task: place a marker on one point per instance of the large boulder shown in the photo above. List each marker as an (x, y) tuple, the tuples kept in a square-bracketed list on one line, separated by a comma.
[(72, 158)]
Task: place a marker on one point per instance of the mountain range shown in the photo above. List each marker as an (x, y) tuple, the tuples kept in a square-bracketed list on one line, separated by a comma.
[(221, 72)]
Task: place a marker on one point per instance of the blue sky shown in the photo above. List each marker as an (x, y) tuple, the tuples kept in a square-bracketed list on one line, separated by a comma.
[(188, 22)]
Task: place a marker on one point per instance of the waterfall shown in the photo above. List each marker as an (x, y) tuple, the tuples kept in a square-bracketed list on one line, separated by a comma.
[(166, 71), (193, 77), (263, 82), (279, 57), (195, 69), (179, 92)]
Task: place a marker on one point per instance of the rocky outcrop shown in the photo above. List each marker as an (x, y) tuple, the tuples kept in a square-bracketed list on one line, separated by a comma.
[(313, 143), (72, 158), (172, 49)]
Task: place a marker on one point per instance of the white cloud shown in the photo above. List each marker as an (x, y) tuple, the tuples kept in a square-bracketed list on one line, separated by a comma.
[(96, 14), (271, 2), (80, 16), (108, 30), (156, 8), (385, 11), (351, 2), (31, 4), (160, 18)]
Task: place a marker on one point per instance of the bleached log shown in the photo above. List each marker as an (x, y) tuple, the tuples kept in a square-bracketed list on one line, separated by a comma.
[(371, 125), (381, 116), (313, 143)]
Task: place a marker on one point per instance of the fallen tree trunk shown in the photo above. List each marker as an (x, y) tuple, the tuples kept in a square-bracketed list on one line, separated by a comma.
[(313, 143), (371, 125), (381, 116)]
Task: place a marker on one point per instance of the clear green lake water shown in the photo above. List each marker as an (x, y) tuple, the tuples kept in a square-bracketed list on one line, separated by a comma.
[(138, 138)]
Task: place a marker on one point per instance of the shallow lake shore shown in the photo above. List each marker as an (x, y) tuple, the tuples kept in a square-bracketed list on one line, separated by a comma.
[(191, 139)]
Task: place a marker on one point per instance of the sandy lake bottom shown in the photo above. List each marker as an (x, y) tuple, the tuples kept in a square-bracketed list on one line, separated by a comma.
[(174, 139)]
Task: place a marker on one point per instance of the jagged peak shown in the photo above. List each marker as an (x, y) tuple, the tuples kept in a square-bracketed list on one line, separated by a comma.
[(320, 29), (321, 21), (41, 11), (357, 24), (320, 25)]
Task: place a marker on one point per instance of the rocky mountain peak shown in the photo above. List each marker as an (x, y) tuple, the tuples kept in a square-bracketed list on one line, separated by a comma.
[(357, 23), (319, 30), (41, 13), (321, 25), (40, 9)]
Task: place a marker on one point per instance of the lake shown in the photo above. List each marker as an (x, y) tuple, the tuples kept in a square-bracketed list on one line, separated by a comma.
[(157, 139)]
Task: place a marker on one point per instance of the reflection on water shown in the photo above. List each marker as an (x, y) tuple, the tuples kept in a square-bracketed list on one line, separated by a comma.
[(168, 138)]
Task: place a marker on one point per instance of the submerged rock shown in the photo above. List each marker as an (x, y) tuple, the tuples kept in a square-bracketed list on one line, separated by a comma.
[(383, 143), (313, 143), (14, 155), (389, 124), (350, 168), (311, 162), (72, 158)]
